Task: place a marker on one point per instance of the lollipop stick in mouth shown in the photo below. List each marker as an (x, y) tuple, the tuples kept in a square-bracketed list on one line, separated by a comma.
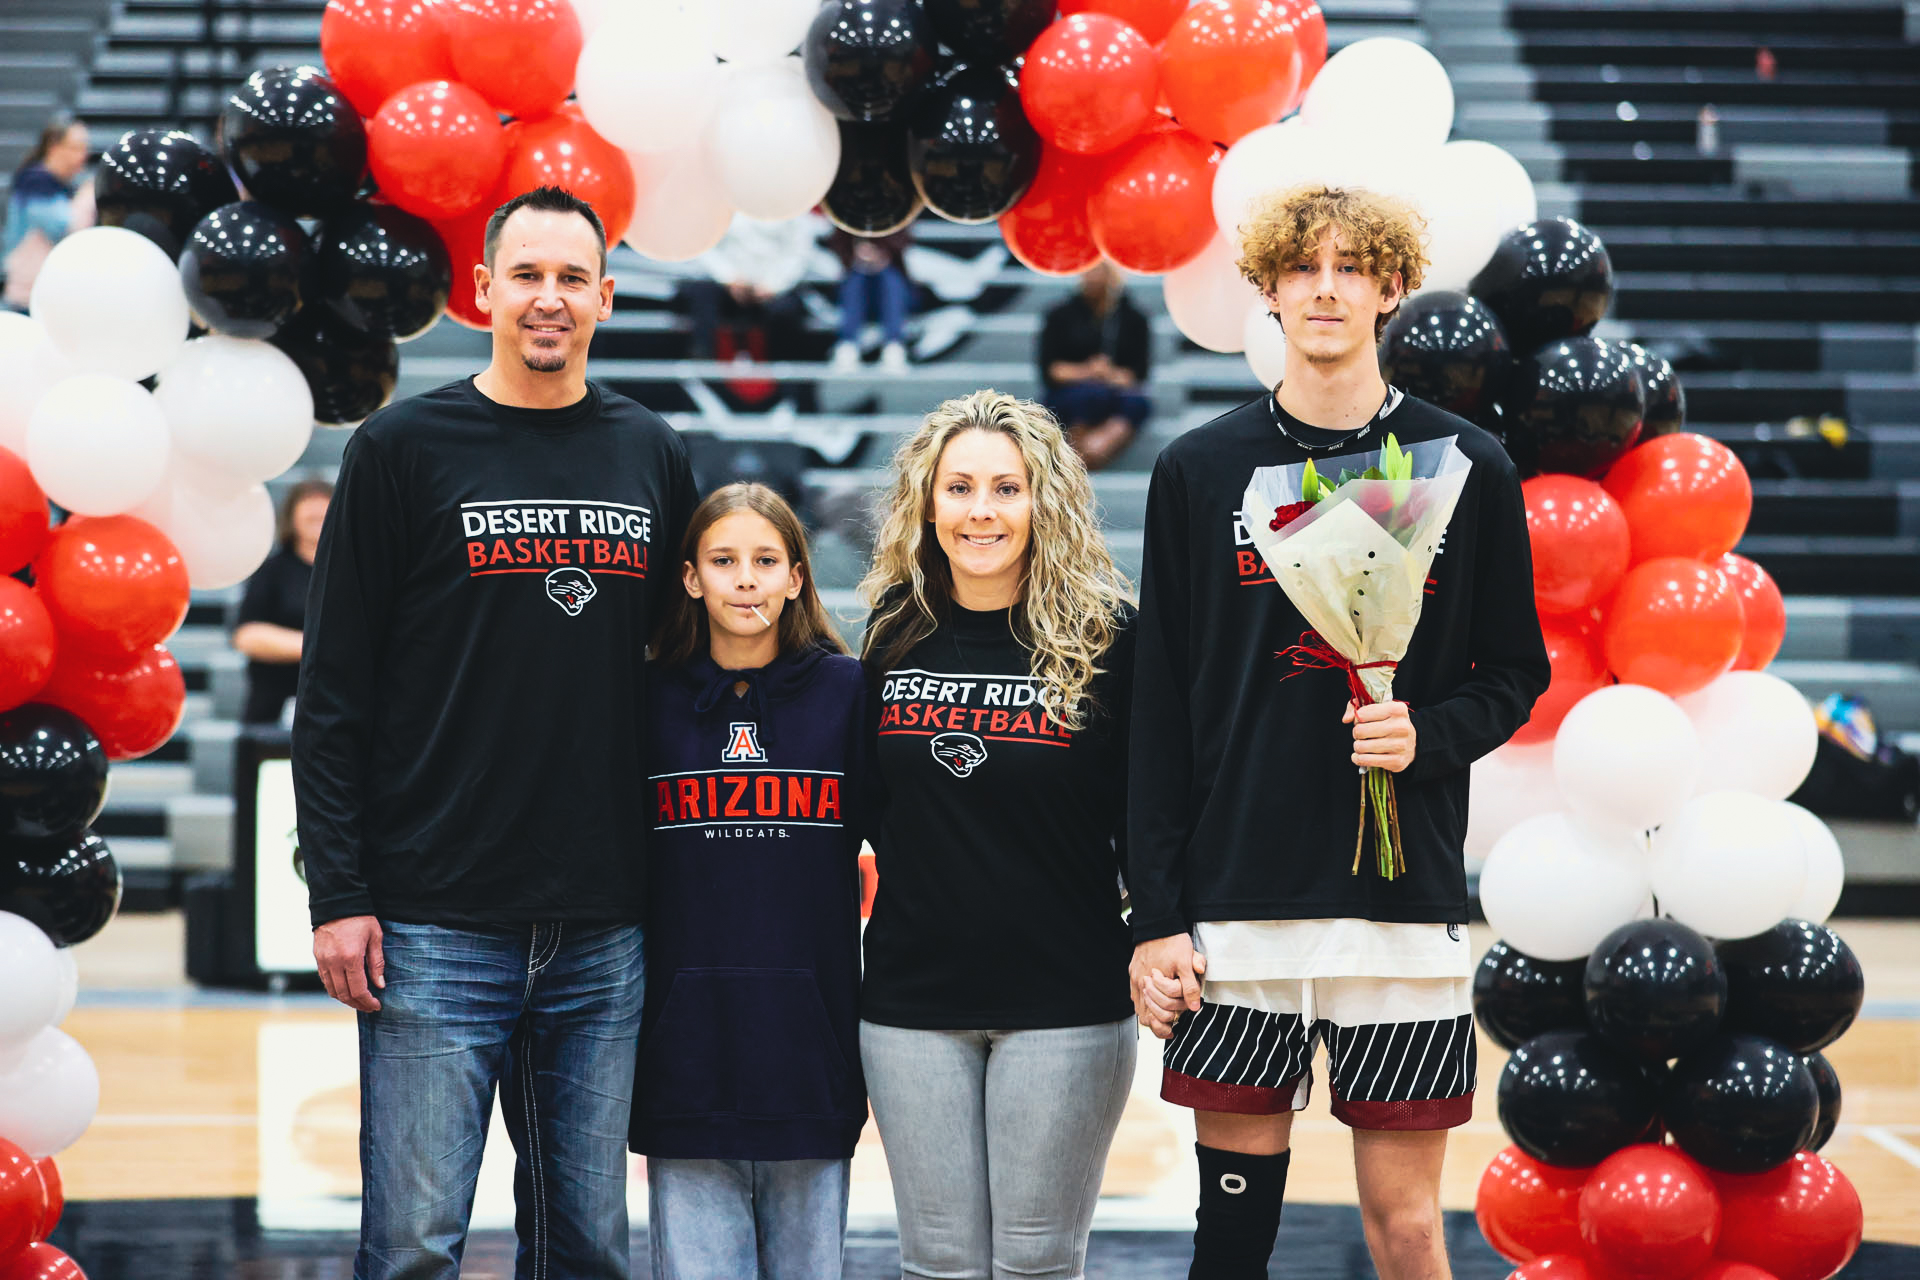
[(759, 615)]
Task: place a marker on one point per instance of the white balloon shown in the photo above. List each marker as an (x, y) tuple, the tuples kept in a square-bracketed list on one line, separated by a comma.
[(238, 404), (1208, 298), (773, 146), (29, 366), (647, 81), (1264, 162), (1757, 734), (681, 211), (98, 444), (111, 301), (30, 994), (1554, 887), (1826, 869), (48, 1098), (1472, 193), (1626, 756), (223, 525), (1382, 89), (69, 984), (592, 13), (1506, 788), (1730, 864), (743, 31), (1265, 344)]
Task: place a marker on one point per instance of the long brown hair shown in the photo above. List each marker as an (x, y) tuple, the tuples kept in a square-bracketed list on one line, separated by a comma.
[(803, 621)]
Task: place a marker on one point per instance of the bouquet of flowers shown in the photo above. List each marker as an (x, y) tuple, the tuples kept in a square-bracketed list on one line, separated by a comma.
[(1352, 553)]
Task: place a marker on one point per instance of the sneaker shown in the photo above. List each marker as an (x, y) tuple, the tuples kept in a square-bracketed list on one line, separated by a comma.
[(893, 358), (845, 358)]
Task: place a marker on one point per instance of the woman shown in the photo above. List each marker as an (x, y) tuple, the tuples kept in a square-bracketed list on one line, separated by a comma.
[(273, 612), (995, 1030), (45, 202)]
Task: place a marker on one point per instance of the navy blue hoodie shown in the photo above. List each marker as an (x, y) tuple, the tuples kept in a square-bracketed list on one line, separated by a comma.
[(750, 1043)]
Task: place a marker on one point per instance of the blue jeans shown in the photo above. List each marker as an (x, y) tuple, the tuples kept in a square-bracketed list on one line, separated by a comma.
[(741, 1219), (860, 290), (1088, 404), (551, 1014)]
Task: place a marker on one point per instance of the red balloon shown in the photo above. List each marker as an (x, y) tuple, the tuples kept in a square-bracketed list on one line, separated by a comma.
[(1577, 671), (40, 1262), (23, 1199), (1684, 495), (56, 1196), (1047, 230), (564, 151), (1801, 1219), (1310, 30), (1649, 1212), (1674, 625), (436, 149), (466, 241), (24, 518), (26, 644), (1765, 610), (1154, 210), (1089, 83), (133, 704), (1580, 542), (520, 54), (1555, 1266), (1526, 1208), (1721, 1269), (1230, 66), (1151, 18), (112, 584), (375, 48)]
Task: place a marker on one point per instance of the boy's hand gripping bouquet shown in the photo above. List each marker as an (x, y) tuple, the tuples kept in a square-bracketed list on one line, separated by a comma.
[(1352, 554)]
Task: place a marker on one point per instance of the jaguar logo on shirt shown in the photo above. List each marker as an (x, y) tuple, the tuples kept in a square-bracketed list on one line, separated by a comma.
[(571, 589), (569, 541), (743, 743), (962, 753)]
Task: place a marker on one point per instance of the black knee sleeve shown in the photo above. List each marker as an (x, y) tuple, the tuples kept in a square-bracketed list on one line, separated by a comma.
[(1239, 1214)]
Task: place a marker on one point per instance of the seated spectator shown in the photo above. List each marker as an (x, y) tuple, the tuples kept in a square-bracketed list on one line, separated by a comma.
[(1093, 361), (273, 613), (875, 280), (749, 305), (48, 200)]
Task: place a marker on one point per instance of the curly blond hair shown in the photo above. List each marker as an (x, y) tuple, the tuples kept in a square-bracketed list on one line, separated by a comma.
[(1385, 234), (1072, 595)]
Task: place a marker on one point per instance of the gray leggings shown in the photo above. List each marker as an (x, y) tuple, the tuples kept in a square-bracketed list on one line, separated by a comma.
[(997, 1141)]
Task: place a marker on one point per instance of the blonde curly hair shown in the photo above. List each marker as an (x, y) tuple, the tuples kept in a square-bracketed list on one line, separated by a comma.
[(1385, 234), (1072, 595)]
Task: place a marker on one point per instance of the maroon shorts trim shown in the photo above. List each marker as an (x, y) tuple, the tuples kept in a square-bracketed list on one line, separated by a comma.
[(1426, 1113), (1240, 1099)]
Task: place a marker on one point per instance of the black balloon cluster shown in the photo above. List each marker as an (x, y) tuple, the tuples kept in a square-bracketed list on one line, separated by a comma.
[(929, 107), (53, 781), (1661, 1029)]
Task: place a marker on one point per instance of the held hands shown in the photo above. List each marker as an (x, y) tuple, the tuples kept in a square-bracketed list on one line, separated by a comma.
[(1382, 735), (1165, 980), (347, 953)]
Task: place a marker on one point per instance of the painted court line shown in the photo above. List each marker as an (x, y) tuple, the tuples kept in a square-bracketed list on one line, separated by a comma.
[(1879, 1137)]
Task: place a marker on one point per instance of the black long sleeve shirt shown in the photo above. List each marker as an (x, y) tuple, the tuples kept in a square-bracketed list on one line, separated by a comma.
[(466, 741), (1243, 800)]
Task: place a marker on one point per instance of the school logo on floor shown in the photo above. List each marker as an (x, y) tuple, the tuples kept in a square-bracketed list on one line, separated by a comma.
[(743, 742), (571, 588), (962, 753)]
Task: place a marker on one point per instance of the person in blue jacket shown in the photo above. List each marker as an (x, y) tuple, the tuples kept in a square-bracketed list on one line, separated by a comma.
[(748, 1096)]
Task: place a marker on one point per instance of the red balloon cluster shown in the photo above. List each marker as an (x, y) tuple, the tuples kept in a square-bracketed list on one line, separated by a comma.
[(31, 1201), (1650, 1212), (86, 636)]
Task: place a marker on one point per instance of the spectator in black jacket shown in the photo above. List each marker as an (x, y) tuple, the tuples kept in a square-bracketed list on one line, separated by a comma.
[(1093, 361), (273, 613)]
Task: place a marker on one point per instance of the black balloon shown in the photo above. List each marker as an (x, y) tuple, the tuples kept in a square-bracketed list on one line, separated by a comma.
[(1655, 989), (349, 372), (993, 30), (160, 182), (971, 150), (1546, 281), (1576, 407), (1516, 997), (1666, 402), (295, 141), (383, 271), (69, 887), (1571, 1099), (866, 58), (1741, 1104), (873, 192), (243, 269), (53, 773), (1827, 1081), (1798, 983), (1448, 349)]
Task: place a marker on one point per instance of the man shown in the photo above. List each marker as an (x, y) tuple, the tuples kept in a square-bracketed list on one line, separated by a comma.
[(1094, 354), (467, 764), (1245, 776)]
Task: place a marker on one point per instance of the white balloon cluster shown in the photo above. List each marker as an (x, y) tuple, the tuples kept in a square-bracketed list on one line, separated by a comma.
[(49, 1088), (655, 74), (1641, 803), (107, 312), (1349, 133)]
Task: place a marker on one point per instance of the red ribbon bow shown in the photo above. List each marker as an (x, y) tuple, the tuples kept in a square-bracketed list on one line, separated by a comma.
[(1311, 652)]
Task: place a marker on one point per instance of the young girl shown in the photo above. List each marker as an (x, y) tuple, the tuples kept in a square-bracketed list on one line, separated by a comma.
[(748, 1097)]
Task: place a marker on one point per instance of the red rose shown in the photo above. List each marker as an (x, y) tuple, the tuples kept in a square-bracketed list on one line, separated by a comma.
[(1287, 514)]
